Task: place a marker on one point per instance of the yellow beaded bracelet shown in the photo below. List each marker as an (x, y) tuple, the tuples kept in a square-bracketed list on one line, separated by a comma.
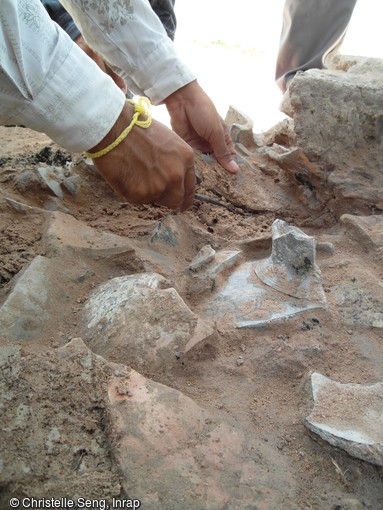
[(140, 108)]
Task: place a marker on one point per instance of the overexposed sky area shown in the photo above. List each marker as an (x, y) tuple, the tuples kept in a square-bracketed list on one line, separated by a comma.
[(232, 45)]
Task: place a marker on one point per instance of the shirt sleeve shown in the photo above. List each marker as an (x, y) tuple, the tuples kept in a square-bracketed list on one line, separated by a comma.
[(48, 84), (130, 37)]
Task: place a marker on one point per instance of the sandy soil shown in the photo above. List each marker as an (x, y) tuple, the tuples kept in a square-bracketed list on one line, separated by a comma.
[(258, 378)]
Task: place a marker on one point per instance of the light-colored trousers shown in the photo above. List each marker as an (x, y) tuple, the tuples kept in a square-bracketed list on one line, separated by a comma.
[(312, 30)]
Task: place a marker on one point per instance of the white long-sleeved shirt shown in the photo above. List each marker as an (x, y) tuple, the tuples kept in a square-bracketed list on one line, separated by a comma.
[(48, 84)]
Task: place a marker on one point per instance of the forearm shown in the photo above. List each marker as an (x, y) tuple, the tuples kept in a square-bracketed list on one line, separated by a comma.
[(48, 84), (132, 40)]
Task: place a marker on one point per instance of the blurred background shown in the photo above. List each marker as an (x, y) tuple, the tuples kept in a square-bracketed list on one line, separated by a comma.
[(232, 48)]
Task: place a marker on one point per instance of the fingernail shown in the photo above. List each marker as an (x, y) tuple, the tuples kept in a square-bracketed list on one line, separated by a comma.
[(233, 167)]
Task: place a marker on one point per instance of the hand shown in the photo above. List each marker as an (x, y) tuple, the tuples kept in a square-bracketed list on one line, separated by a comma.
[(149, 165), (194, 118), (101, 64)]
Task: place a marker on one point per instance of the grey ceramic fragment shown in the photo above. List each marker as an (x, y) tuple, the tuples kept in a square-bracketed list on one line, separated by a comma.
[(21, 207), (205, 279), (166, 233), (27, 181), (71, 184), (24, 313), (203, 257), (292, 268), (248, 303), (349, 416), (65, 233), (54, 204), (52, 176), (281, 286), (140, 319), (366, 230), (241, 127)]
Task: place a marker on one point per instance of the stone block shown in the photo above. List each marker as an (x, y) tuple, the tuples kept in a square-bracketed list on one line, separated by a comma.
[(338, 121), (337, 114)]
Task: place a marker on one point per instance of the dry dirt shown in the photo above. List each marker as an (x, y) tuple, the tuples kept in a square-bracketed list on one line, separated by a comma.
[(269, 393)]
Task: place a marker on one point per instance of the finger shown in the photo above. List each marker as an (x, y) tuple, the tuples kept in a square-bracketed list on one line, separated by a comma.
[(228, 140), (222, 152), (189, 185), (170, 199), (173, 195), (181, 194), (200, 144)]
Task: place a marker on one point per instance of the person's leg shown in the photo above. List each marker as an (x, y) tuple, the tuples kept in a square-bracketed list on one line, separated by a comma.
[(165, 11), (58, 14), (311, 30)]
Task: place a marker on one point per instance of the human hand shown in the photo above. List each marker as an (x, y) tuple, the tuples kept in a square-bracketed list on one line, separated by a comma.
[(195, 119), (101, 64), (149, 165)]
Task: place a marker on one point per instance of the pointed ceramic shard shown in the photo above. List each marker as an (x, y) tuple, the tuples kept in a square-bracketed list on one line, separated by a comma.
[(291, 268)]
